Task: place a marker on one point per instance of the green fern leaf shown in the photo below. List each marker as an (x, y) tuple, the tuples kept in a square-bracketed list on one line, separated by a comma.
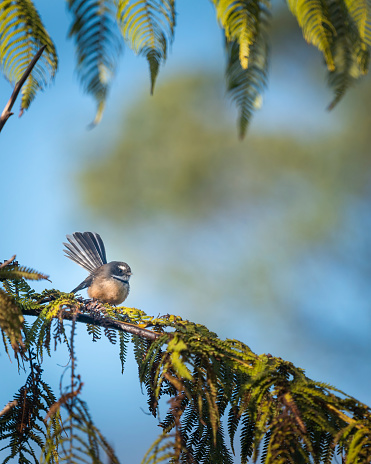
[(240, 21), (13, 272), (94, 331), (148, 26), (351, 54), (245, 86), (233, 421), (22, 34), (124, 339), (11, 319), (317, 28), (81, 440), (359, 11), (97, 47)]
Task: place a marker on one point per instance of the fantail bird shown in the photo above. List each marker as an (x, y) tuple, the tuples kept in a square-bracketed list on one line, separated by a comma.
[(107, 282)]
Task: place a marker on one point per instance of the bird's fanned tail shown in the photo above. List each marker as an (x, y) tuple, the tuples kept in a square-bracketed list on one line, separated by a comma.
[(86, 249)]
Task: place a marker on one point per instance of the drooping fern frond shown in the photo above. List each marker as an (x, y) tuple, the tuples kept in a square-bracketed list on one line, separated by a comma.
[(313, 18), (148, 26), (123, 343), (359, 11), (81, 440), (97, 46), (341, 29), (15, 289), (22, 426), (22, 34), (39, 335), (78, 439), (11, 320), (94, 331), (161, 450), (244, 25), (245, 86), (350, 51), (240, 20)]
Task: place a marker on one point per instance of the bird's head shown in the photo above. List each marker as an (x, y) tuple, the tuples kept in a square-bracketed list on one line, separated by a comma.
[(119, 270)]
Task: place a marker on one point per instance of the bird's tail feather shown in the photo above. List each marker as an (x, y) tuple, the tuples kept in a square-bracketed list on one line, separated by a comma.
[(86, 249)]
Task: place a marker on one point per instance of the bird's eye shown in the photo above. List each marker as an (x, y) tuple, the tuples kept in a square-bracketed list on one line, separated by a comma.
[(119, 271)]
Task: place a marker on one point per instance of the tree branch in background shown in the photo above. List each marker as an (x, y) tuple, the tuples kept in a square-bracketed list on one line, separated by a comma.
[(5, 115)]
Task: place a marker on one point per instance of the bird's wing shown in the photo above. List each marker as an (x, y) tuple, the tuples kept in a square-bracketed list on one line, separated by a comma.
[(86, 283), (86, 249)]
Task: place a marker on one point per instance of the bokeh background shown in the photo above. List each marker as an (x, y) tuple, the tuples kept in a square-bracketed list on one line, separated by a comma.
[(266, 240)]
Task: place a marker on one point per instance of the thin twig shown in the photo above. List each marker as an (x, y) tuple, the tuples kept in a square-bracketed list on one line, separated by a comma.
[(7, 112), (5, 263), (8, 407)]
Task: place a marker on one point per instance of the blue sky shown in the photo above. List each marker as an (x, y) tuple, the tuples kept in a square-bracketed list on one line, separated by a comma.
[(40, 154)]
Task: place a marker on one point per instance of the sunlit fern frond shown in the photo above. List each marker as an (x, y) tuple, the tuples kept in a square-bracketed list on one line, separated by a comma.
[(13, 272), (312, 16), (22, 34), (245, 86), (148, 26), (78, 439), (350, 52), (11, 320), (240, 21), (14, 290), (162, 450), (359, 11), (98, 46)]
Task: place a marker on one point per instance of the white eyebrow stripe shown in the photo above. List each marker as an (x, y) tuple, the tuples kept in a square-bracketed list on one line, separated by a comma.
[(124, 268)]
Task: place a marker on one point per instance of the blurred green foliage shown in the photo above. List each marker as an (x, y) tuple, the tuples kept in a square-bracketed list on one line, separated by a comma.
[(266, 205), (261, 220), (170, 159)]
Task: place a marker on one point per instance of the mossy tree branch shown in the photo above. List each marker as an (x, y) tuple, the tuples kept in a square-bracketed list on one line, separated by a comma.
[(279, 414), (92, 314)]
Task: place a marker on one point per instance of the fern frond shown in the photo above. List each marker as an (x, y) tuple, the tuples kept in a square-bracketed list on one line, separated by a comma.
[(244, 25), (95, 331), (97, 47), (233, 421), (312, 16), (22, 34), (245, 86), (351, 54), (14, 272), (23, 424), (247, 437), (11, 320), (240, 21), (281, 416), (161, 450), (148, 26), (111, 335), (123, 343), (81, 441), (359, 11), (360, 447)]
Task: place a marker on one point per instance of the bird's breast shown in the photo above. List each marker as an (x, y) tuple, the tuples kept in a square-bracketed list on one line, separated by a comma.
[(109, 291)]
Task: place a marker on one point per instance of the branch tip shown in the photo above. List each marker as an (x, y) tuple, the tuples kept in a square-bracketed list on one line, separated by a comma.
[(5, 115)]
